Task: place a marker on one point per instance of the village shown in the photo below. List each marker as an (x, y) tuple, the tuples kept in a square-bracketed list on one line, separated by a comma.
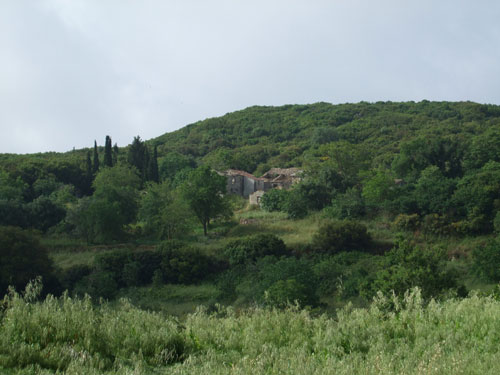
[(253, 188)]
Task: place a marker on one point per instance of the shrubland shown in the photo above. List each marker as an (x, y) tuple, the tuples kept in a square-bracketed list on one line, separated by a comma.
[(402, 334), (393, 196)]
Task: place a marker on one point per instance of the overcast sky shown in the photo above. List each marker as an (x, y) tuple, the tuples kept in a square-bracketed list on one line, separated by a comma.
[(72, 71)]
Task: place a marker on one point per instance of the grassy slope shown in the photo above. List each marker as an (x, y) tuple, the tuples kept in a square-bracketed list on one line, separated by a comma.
[(74, 337)]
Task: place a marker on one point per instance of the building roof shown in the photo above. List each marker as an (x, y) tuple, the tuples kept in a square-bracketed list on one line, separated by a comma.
[(236, 172), (273, 172)]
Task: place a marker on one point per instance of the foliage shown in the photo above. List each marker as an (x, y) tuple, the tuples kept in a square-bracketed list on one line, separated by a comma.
[(486, 260), (250, 248), (22, 259), (172, 163), (74, 336), (412, 337), (165, 215), (335, 236), (274, 200), (203, 191), (183, 264), (407, 222), (295, 205), (407, 266), (102, 217), (348, 205)]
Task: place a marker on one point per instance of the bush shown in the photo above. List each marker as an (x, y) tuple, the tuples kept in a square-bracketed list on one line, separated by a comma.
[(496, 222), (274, 200), (437, 224), (406, 222), (335, 236), (407, 266), (181, 264), (295, 205), (22, 258), (253, 247), (486, 261), (72, 275), (345, 206), (129, 268), (294, 276)]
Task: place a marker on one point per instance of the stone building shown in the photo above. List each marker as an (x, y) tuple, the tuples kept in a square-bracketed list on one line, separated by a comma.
[(245, 184)]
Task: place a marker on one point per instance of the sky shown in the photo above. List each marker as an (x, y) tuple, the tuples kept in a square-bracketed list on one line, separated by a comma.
[(74, 71)]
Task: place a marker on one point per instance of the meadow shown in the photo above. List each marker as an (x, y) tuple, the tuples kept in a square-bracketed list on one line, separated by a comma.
[(392, 336)]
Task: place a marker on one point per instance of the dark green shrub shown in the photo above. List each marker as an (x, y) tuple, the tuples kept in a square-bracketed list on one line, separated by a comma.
[(285, 292), (22, 259), (99, 284), (496, 222), (128, 267), (486, 260), (407, 266), (72, 275), (253, 247), (274, 200), (271, 274), (406, 222), (295, 205), (437, 224), (335, 236), (182, 264), (345, 206)]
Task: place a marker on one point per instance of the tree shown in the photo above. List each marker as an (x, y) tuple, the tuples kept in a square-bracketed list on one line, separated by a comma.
[(406, 266), (108, 157), (203, 191), (153, 166), (95, 165), (102, 217), (116, 151), (22, 258), (172, 163), (137, 156), (165, 216), (89, 176), (11, 188)]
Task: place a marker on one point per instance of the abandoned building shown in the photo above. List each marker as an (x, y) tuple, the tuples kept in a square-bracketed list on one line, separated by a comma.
[(248, 186)]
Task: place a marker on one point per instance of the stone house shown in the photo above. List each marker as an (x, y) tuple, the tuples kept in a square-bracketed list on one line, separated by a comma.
[(245, 184)]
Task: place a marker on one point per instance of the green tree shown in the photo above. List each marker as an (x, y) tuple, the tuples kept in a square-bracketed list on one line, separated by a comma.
[(95, 165), (89, 176), (164, 214), (407, 266), (116, 151), (433, 191), (137, 156), (108, 153), (11, 188), (203, 191), (172, 163), (153, 166), (22, 258), (103, 217)]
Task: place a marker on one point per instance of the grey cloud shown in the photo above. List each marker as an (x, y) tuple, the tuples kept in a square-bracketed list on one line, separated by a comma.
[(75, 71)]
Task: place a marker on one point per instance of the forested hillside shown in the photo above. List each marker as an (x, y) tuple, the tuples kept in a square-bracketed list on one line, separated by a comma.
[(392, 196), (391, 193)]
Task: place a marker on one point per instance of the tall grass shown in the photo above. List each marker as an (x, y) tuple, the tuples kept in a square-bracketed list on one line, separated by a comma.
[(392, 336)]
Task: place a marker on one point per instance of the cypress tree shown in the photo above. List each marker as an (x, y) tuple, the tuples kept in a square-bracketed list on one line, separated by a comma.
[(136, 155), (153, 166), (88, 174), (95, 166), (147, 161), (108, 158), (115, 154)]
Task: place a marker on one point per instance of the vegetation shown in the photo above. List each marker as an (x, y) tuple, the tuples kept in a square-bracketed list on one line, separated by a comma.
[(391, 336), (393, 196)]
